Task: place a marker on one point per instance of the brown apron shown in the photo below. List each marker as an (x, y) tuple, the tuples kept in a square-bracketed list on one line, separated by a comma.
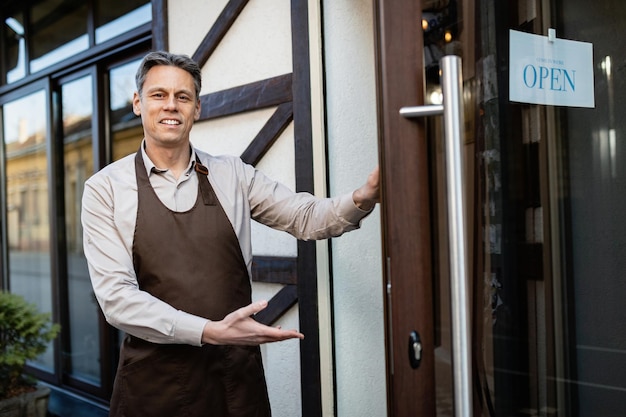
[(191, 260)]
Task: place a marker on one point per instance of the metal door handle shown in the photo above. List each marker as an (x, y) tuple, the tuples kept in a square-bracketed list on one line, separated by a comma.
[(452, 109), (422, 111)]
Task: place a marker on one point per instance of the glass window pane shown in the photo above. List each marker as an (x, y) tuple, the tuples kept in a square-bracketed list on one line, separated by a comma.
[(83, 354), (116, 17), (126, 129), (58, 31), (592, 144), (14, 48), (28, 231)]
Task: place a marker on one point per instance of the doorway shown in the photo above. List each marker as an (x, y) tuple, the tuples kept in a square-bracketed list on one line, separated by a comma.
[(544, 187)]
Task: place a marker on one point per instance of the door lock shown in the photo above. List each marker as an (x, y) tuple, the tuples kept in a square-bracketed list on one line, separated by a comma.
[(415, 349)]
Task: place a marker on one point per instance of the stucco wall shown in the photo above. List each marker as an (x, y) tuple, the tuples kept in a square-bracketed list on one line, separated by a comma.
[(356, 257)]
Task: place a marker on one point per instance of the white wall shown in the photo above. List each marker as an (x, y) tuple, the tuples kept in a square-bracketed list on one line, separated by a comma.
[(356, 257)]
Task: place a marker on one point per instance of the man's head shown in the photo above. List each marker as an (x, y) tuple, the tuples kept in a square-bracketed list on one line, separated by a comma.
[(167, 99), (166, 58)]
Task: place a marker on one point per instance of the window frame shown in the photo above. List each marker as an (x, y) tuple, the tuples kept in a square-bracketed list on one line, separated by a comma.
[(97, 61), (95, 52)]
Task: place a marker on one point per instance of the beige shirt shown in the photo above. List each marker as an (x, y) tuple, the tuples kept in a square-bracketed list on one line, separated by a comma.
[(109, 210)]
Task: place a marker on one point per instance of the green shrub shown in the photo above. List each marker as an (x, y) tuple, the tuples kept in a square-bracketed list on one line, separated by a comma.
[(24, 335)]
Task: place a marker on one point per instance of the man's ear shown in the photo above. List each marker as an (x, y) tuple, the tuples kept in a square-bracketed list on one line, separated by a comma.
[(136, 104), (198, 108)]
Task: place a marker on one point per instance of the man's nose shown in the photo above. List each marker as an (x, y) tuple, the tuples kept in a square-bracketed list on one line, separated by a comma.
[(170, 103)]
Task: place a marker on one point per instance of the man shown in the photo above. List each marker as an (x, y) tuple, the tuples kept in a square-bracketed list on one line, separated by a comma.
[(167, 239)]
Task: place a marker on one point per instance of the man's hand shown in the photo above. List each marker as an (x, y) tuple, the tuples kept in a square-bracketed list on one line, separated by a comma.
[(366, 196), (239, 328)]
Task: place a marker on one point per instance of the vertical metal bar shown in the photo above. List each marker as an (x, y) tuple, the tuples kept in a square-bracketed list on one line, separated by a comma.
[(453, 118)]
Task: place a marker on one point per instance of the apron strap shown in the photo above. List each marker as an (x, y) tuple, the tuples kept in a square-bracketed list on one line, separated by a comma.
[(208, 195)]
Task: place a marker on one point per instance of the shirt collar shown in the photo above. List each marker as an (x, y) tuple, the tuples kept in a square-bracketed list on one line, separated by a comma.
[(150, 167)]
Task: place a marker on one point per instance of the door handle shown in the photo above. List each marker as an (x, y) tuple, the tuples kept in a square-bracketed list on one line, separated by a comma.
[(422, 111), (453, 120)]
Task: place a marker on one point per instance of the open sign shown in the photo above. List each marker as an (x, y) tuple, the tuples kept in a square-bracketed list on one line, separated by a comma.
[(550, 71)]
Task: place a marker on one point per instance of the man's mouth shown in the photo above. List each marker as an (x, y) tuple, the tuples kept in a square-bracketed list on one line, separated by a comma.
[(170, 122)]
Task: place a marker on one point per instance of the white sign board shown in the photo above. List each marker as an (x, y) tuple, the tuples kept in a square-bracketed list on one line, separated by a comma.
[(550, 71)]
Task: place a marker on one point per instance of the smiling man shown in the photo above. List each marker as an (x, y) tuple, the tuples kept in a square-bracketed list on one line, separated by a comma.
[(167, 239)]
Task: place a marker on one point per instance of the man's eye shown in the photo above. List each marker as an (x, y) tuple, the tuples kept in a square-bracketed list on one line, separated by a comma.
[(183, 98), (158, 95)]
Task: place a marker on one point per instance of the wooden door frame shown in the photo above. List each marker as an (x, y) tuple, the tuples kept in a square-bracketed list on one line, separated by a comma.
[(406, 207)]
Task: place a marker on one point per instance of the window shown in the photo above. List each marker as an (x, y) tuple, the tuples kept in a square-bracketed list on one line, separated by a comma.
[(125, 126), (123, 16), (66, 85), (15, 48), (82, 353), (58, 30), (25, 130), (48, 32)]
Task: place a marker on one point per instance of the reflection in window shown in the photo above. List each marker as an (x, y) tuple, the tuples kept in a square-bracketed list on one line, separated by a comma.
[(14, 47), (126, 129), (83, 356), (50, 31), (115, 18), (58, 31), (28, 230)]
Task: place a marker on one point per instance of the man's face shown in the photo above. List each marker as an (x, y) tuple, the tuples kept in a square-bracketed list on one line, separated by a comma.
[(168, 106)]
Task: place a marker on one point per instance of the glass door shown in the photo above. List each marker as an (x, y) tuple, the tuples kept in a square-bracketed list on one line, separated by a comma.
[(592, 178), (545, 189)]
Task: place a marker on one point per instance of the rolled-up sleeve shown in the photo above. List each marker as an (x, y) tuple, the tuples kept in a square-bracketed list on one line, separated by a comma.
[(301, 214)]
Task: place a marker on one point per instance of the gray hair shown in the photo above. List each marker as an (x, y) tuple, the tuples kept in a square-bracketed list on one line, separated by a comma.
[(183, 62)]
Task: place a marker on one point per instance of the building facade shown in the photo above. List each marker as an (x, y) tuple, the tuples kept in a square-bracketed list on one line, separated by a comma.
[(310, 92)]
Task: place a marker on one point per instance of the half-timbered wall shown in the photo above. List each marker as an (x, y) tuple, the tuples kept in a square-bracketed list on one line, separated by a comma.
[(299, 103), (255, 48)]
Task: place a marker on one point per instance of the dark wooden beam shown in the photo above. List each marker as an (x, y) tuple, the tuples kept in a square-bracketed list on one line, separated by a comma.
[(310, 373), (257, 95), (274, 270), (278, 305), (268, 134), (218, 30), (160, 36)]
